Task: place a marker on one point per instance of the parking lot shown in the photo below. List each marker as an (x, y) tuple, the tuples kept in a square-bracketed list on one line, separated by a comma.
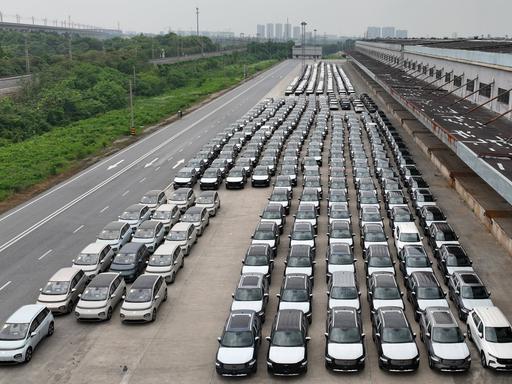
[(180, 347)]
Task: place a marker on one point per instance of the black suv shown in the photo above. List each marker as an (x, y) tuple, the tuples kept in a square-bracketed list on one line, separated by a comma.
[(242, 330), (429, 214), (453, 258), (297, 293), (259, 258), (439, 234), (467, 291), (266, 233), (423, 290)]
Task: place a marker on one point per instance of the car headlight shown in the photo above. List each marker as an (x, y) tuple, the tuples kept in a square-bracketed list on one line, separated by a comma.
[(18, 356), (147, 315), (328, 358), (435, 358), (252, 362), (101, 314), (217, 364), (304, 363), (492, 356), (269, 364), (383, 359)]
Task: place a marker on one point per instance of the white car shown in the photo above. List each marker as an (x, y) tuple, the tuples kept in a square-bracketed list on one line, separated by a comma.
[(23, 331), (209, 200), (198, 216), (166, 261), (115, 234), (135, 215), (183, 198), (184, 235), (143, 299), (100, 297), (167, 214), (61, 292), (406, 234), (383, 291), (153, 199), (151, 233), (251, 294), (491, 332), (94, 258), (300, 260)]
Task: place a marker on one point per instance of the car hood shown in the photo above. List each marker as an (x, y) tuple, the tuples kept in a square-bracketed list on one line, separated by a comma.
[(400, 351), (422, 304), (158, 269), (182, 179), (143, 240), (122, 267), (310, 221), (255, 269), (209, 180), (450, 270), (451, 351), (90, 304), (354, 303), (474, 303), (177, 242), (345, 351), (410, 270), (234, 355), (388, 303), (131, 222), (269, 242), (207, 206), (380, 269), (255, 306), (311, 243), (277, 221), (136, 306), (234, 179), (501, 350), (347, 240), (86, 268), (11, 344), (368, 243), (259, 177), (305, 270), (301, 305), (286, 355), (51, 298), (340, 267)]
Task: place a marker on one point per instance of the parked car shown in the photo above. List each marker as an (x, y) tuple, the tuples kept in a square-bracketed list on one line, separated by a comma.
[(383, 291), (167, 214), (339, 257), (441, 234), (211, 179), (467, 292), (94, 258), (259, 258), (115, 234), (236, 178), (150, 233), (260, 176), (61, 292), (300, 259), (423, 291), (100, 297), (186, 177), (251, 293), (430, 214), (343, 291), (297, 293), (153, 199), (166, 261), (274, 213), (266, 233), (183, 198), (378, 259), (198, 216), (184, 235), (143, 299), (130, 261), (135, 215)]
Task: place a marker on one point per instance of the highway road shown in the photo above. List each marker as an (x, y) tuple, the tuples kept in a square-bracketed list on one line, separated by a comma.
[(45, 234)]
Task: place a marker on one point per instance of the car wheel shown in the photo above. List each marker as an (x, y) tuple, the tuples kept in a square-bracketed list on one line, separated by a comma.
[(51, 329), (470, 336), (165, 296), (109, 313), (173, 277), (430, 363), (28, 354), (182, 263), (69, 307), (461, 315), (483, 359), (153, 315)]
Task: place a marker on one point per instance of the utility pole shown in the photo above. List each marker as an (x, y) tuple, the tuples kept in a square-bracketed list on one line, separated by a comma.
[(197, 27), (303, 25), (132, 122), (27, 57), (314, 44), (70, 50), (134, 77)]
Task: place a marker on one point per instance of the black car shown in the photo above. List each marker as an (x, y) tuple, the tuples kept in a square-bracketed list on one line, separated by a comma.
[(259, 258), (130, 261), (429, 214), (261, 176), (242, 330), (211, 179), (236, 178), (423, 291), (186, 177), (297, 293)]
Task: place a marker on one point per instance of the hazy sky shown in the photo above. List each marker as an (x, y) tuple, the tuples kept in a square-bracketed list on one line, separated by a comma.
[(342, 17)]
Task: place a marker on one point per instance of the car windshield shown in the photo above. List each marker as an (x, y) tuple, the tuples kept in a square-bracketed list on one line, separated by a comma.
[(302, 235), (397, 335), (176, 236), (256, 260), (386, 293), (87, 259), (279, 197), (184, 174), (417, 262), (95, 294), (312, 183), (396, 199), (273, 215), (368, 199), (160, 260), (402, 217), (179, 196), (424, 198), (445, 236), (392, 186), (282, 183), (295, 295), (264, 235), (261, 172), (341, 233), (458, 261), (429, 293), (340, 214), (129, 215), (371, 216), (287, 339), (109, 234), (145, 233), (375, 236), (344, 293), (14, 331), (299, 262), (475, 292), (409, 237), (205, 200), (341, 258), (337, 197), (234, 339), (56, 288), (210, 173), (447, 335), (162, 215), (139, 295), (309, 197), (125, 258), (248, 294), (235, 173), (191, 217), (345, 335), (498, 334), (338, 185), (380, 261), (149, 199)]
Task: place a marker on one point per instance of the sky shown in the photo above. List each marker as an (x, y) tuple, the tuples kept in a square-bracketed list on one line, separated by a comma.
[(436, 18)]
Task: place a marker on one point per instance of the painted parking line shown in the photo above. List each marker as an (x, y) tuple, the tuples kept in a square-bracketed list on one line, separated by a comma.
[(104, 209), (45, 254), (142, 180), (79, 228), (5, 285), (125, 193)]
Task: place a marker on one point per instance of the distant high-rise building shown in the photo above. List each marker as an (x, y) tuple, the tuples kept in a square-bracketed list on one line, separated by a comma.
[(373, 33), (279, 31), (401, 33), (260, 31), (388, 32), (309, 37), (296, 32), (287, 31), (270, 31)]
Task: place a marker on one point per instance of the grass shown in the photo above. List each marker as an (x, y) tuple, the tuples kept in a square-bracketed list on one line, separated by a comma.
[(25, 164)]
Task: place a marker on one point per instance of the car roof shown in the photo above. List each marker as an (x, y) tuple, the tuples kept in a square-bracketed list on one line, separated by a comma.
[(414, 250), (440, 317), (340, 224), (444, 227), (181, 226), (302, 226), (166, 207), (181, 191), (424, 278), (468, 278), (492, 317), (258, 249), (454, 249), (195, 209), (372, 227), (239, 320), (251, 280), (378, 250), (295, 281), (344, 317), (149, 224), (300, 250), (289, 319), (371, 208), (115, 225), (407, 227), (131, 247), (145, 281), (94, 248), (65, 274), (308, 190), (393, 317), (340, 248), (343, 279), (25, 314), (103, 279), (384, 279), (165, 249), (306, 207), (266, 225), (273, 207)]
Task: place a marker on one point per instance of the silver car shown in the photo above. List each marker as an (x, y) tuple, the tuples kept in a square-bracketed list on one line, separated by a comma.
[(151, 233), (198, 216), (142, 301), (61, 292), (153, 199), (183, 198), (167, 214), (135, 214), (184, 235), (209, 200), (94, 259), (116, 234)]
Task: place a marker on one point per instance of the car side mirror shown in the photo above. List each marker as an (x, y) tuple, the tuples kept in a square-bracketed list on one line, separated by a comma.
[(257, 338), (33, 334), (112, 295), (79, 295), (308, 338), (233, 295), (401, 293), (414, 334), (268, 338), (457, 291), (278, 295), (73, 289), (219, 339), (123, 297), (377, 334), (40, 289)]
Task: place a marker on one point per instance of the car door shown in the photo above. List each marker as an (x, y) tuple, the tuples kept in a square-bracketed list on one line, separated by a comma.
[(177, 258), (34, 333), (157, 295), (161, 198), (159, 234), (112, 294), (192, 235), (125, 235)]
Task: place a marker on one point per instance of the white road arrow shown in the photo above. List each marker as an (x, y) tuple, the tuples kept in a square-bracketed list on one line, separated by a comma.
[(151, 163), (178, 163), (114, 165)]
